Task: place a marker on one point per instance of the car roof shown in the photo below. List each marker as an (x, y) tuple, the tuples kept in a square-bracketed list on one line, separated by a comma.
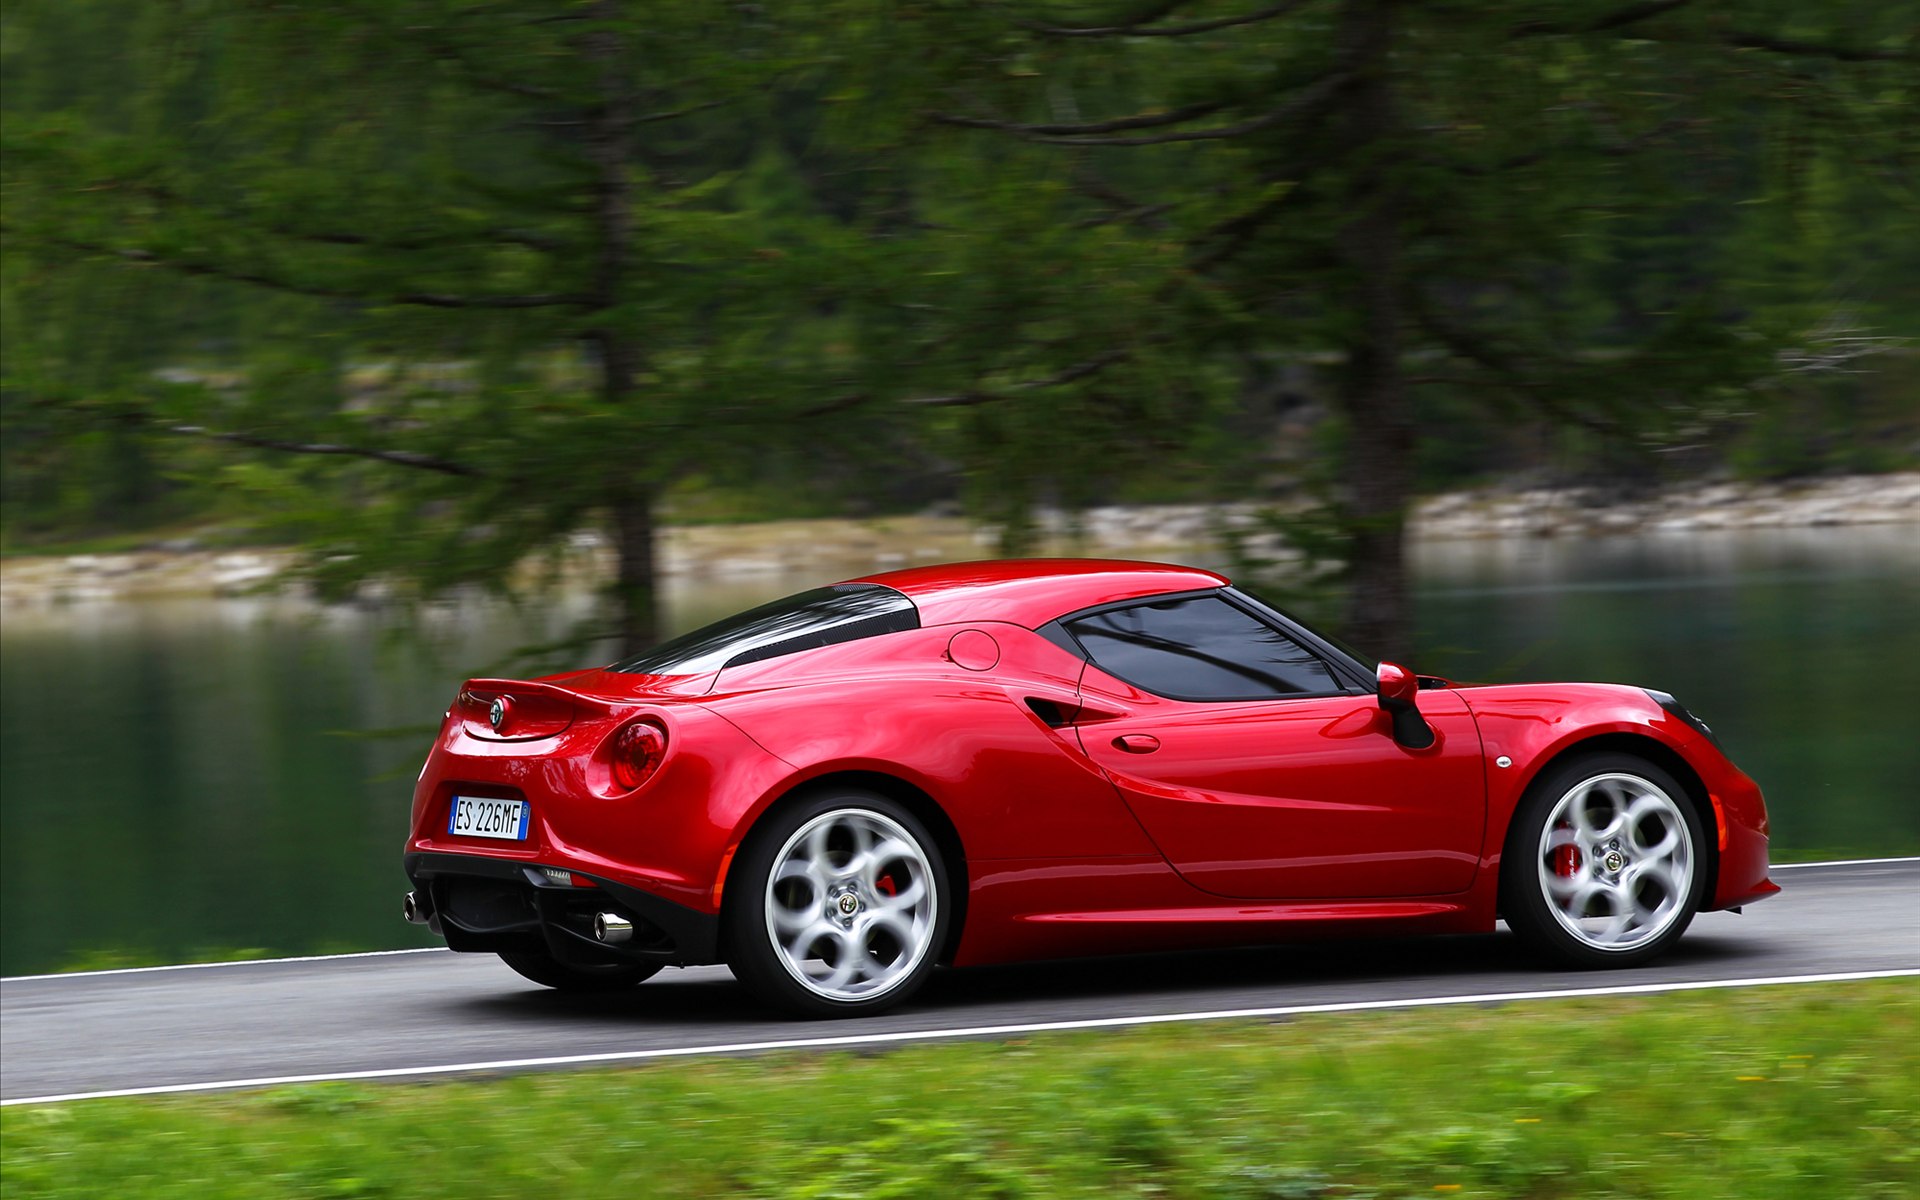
[(1033, 591)]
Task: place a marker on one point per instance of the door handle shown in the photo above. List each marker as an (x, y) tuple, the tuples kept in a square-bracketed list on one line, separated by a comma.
[(1137, 743)]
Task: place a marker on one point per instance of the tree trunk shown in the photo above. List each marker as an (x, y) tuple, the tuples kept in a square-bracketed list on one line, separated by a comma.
[(633, 542), (1373, 393), (630, 501)]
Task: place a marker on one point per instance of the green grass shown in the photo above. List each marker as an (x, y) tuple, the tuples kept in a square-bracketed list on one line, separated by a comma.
[(121, 958), (1893, 848), (1800, 1091)]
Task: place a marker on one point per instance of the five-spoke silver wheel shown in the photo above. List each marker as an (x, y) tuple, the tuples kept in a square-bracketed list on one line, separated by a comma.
[(1606, 861), (1616, 861), (850, 905)]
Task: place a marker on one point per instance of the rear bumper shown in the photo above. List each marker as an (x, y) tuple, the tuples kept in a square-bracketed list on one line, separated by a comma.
[(488, 904), (661, 848)]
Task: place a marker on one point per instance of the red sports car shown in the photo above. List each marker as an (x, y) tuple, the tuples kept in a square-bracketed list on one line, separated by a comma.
[(994, 761)]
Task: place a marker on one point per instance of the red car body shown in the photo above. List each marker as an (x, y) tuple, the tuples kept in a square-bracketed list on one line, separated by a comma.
[(1077, 813)]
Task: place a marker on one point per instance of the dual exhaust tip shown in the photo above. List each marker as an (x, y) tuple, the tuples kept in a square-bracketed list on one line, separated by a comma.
[(608, 927)]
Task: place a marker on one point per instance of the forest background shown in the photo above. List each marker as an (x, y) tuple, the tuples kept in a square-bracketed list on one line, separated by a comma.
[(419, 289)]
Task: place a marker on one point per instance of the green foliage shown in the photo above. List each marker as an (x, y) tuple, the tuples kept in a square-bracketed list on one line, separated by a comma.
[(525, 270), (1795, 1091)]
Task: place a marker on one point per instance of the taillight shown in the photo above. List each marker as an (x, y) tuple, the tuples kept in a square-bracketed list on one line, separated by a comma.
[(637, 751)]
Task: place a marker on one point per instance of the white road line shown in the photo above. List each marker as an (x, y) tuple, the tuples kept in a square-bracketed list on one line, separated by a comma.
[(262, 962), (1842, 862), (975, 1031), (237, 962)]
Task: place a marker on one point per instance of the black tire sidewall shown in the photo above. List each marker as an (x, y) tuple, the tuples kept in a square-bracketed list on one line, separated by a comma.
[(547, 971), (1522, 901), (750, 951)]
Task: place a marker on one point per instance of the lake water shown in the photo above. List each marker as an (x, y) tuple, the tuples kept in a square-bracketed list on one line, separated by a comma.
[(184, 779)]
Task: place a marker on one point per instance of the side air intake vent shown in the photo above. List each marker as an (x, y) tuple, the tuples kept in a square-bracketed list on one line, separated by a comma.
[(1049, 712)]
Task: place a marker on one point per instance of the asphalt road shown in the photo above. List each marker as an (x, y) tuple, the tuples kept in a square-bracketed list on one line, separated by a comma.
[(405, 1015)]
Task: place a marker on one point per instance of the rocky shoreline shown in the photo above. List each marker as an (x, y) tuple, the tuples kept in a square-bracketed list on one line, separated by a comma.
[(705, 553)]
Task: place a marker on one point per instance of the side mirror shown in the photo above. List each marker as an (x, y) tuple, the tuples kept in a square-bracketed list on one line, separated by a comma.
[(1400, 698)]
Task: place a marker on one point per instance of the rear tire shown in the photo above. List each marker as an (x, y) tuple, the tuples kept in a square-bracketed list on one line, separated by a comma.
[(838, 906), (1605, 864), (565, 977)]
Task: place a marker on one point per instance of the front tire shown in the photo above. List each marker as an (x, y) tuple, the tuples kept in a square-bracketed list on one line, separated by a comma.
[(839, 906), (548, 971), (1605, 865)]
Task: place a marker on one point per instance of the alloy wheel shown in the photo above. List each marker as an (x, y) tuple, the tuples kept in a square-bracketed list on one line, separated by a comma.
[(851, 906), (1616, 861)]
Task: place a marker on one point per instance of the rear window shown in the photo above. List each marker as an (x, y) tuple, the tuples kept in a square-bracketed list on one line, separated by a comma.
[(824, 616)]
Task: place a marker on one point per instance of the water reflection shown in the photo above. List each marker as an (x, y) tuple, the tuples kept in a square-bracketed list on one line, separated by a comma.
[(1798, 646)]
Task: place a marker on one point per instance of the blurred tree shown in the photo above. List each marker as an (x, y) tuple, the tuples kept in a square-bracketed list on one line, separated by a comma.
[(514, 267), (474, 276), (1532, 207)]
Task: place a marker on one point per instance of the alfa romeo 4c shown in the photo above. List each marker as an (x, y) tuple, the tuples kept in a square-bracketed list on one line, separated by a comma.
[(997, 761)]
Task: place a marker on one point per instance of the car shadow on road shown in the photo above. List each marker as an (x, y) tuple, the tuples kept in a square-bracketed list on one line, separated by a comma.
[(1271, 976), (1302, 973)]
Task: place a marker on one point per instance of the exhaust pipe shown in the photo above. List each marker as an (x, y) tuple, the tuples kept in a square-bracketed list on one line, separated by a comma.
[(414, 909), (612, 928)]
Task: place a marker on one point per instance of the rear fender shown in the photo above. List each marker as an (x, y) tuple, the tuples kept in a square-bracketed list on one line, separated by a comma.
[(1013, 784)]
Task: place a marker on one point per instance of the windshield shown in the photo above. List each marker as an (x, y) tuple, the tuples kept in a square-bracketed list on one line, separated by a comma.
[(825, 616)]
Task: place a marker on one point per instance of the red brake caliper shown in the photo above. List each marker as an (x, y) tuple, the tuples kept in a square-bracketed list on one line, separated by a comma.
[(884, 885), (1566, 861)]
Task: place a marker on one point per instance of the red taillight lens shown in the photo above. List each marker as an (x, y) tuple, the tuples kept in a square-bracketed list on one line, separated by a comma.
[(637, 751)]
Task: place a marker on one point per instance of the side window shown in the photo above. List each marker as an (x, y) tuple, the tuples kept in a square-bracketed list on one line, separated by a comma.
[(1201, 648), (824, 616)]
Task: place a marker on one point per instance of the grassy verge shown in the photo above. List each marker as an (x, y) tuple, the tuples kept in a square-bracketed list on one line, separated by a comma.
[(120, 958), (1802, 1091), (1894, 848)]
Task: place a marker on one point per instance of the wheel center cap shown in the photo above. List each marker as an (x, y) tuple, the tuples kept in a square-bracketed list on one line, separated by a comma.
[(849, 904), (1614, 861)]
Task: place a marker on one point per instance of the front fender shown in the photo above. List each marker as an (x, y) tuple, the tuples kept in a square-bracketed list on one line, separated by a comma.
[(1533, 725)]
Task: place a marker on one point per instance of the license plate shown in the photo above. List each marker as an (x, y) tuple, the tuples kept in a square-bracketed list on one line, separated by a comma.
[(479, 816)]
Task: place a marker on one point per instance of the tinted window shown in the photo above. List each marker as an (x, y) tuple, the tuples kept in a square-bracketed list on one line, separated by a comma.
[(821, 617), (1201, 648), (1364, 663)]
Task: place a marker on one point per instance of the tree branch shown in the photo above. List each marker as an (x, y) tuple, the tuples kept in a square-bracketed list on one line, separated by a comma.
[(593, 116), (1231, 234), (1760, 41), (1139, 28), (479, 237), (1307, 100), (1475, 349), (413, 299), (1115, 125), (402, 458), (1619, 18), (167, 196), (1152, 12), (1623, 19), (675, 114), (1092, 366), (1622, 149), (449, 51)]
